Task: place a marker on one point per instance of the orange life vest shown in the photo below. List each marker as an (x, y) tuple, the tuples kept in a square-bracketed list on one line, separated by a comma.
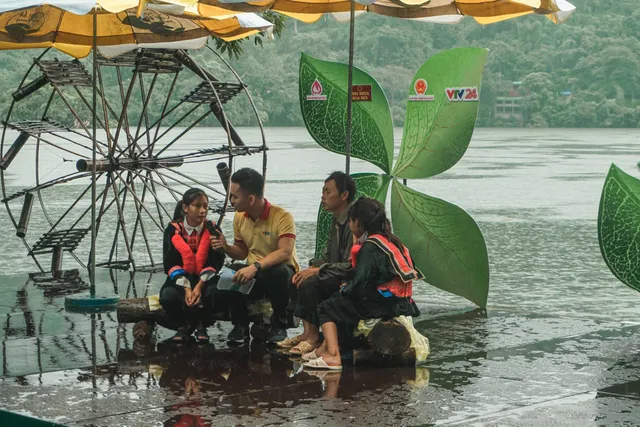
[(192, 263), (402, 283)]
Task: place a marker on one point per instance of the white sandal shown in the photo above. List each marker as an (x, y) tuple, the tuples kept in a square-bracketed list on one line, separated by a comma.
[(310, 356)]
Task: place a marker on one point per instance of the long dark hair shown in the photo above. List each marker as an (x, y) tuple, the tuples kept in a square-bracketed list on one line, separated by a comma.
[(371, 215), (188, 197)]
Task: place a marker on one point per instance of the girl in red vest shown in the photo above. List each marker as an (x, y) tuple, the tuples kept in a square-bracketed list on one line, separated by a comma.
[(381, 287), (190, 263)]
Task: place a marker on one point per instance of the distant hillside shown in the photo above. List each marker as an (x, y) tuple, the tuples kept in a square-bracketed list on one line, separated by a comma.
[(585, 73)]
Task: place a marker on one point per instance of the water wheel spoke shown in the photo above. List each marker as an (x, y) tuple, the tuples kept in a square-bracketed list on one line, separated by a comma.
[(121, 216), (139, 220), (200, 183), (160, 227), (144, 180), (123, 121), (146, 97), (185, 131), (60, 180), (175, 193), (70, 208), (162, 114), (102, 124)]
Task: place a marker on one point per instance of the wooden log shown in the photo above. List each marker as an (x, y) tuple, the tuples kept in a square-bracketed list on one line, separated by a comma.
[(389, 338), (135, 309), (370, 357), (143, 330)]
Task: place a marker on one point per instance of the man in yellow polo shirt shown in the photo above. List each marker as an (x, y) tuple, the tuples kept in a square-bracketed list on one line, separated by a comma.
[(264, 235)]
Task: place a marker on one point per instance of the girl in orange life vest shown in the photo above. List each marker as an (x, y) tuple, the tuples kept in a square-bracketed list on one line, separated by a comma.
[(381, 287), (190, 263)]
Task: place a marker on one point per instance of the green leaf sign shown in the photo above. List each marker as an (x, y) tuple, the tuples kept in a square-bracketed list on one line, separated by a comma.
[(323, 101), (445, 242), (441, 112), (619, 226)]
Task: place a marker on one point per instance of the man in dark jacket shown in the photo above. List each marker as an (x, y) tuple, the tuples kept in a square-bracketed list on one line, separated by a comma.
[(324, 275)]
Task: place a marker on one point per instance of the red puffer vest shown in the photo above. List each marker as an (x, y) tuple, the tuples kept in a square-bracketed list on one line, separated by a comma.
[(192, 263)]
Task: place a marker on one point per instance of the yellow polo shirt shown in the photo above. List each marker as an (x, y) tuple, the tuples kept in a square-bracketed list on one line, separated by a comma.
[(261, 237)]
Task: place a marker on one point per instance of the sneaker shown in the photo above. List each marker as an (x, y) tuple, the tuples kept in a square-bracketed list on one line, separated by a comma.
[(238, 334), (276, 334)]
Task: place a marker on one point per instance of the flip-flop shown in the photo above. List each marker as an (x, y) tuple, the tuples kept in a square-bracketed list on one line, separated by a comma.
[(310, 356), (289, 342), (202, 337), (319, 363), (180, 337), (302, 348), (321, 375)]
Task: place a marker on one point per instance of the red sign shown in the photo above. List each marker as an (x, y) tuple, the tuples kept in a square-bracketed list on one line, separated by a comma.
[(361, 92)]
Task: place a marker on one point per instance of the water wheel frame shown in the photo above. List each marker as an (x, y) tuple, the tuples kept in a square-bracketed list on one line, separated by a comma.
[(133, 160)]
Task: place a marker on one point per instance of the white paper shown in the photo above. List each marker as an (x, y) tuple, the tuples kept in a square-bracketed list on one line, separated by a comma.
[(225, 283)]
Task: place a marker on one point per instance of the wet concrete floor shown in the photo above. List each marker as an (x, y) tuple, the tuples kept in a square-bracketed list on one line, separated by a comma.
[(559, 344), (494, 368)]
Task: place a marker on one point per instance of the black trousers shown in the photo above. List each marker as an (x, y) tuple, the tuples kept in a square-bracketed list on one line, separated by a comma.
[(273, 283), (349, 310), (310, 294), (182, 316), (342, 309)]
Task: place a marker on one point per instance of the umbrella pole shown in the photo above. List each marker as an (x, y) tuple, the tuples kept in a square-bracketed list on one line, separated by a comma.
[(352, 14), (92, 261), (91, 302)]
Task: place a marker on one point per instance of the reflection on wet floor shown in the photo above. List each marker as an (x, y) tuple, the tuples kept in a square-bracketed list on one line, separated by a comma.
[(490, 367)]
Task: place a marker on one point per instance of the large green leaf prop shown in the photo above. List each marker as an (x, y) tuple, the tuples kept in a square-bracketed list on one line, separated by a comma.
[(441, 112), (323, 101), (445, 243), (367, 184), (619, 226)]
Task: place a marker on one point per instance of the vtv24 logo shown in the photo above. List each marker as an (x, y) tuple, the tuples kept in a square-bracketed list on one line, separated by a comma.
[(464, 94)]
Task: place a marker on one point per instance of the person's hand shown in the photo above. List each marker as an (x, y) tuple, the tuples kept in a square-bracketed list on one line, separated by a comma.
[(196, 295), (245, 274), (219, 242), (303, 275), (187, 296)]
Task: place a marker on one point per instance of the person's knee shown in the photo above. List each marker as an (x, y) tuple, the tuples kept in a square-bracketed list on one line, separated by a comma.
[(169, 295), (322, 308), (280, 271), (307, 289)]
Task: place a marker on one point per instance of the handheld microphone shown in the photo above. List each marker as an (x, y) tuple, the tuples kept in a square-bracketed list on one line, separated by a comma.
[(212, 229)]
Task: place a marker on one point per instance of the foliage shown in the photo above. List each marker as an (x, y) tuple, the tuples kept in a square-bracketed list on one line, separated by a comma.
[(595, 56)]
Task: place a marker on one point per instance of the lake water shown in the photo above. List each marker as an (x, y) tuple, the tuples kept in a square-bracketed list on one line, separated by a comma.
[(557, 345)]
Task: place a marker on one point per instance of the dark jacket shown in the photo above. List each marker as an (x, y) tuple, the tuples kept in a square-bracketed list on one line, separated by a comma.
[(374, 268), (335, 264)]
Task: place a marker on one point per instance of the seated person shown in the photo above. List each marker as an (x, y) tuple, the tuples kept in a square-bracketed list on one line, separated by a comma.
[(264, 235), (381, 286), (325, 275), (190, 263)]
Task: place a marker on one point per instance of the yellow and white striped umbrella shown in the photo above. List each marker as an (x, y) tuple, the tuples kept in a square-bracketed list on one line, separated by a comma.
[(68, 26), (439, 11)]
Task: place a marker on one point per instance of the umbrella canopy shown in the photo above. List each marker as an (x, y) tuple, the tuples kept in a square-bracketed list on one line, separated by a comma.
[(444, 11), (38, 26)]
